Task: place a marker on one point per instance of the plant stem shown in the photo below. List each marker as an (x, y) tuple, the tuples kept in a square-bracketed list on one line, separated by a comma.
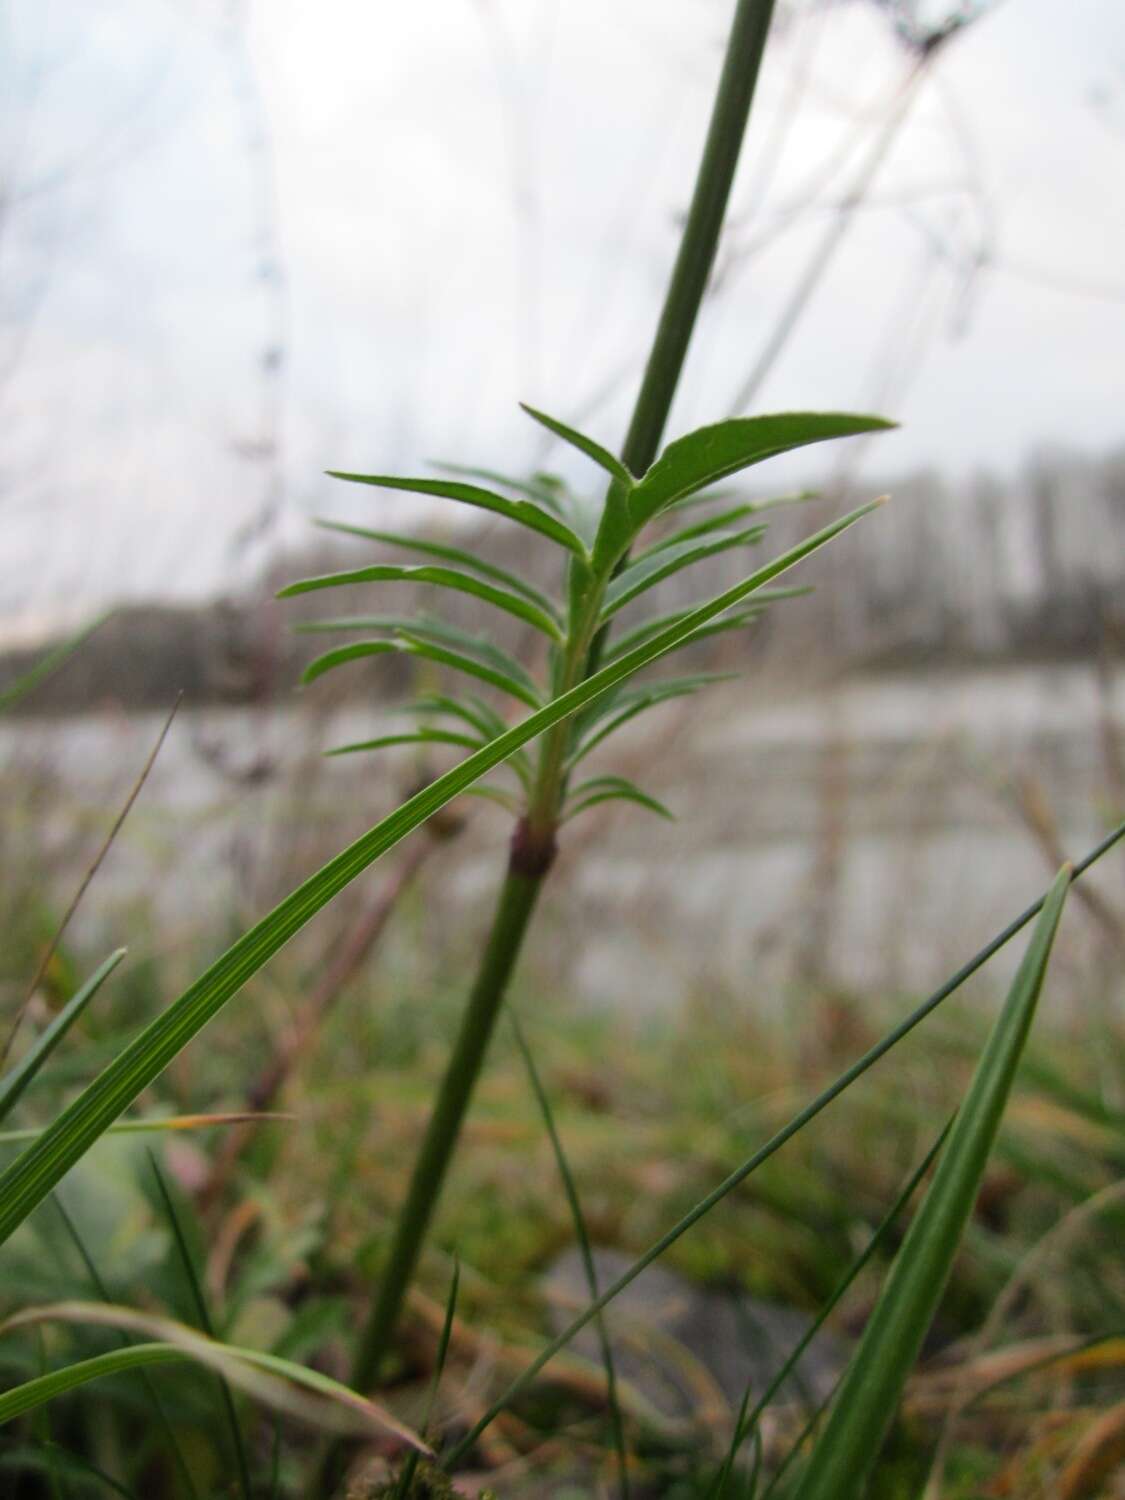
[(533, 846), (518, 896)]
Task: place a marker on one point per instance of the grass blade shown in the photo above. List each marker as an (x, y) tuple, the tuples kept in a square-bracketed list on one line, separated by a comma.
[(600, 789), (32, 1175), (46, 665), (409, 1468), (203, 1318), (826, 1097), (33, 1393), (162, 1122), (871, 1389), (288, 1387), (578, 1219), (654, 567), (16, 1079)]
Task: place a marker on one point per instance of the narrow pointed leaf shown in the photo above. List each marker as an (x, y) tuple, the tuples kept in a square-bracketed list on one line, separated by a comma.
[(456, 555), (654, 567), (542, 489), (525, 512), (647, 628), (389, 623), (779, 1139), (267, 1377), (773, 502), (722, 521), (518, 687), (47, 665), (601, 456), (446, 578), (872, 1387), (415, 737), (34, 1173), (712, 453), (498, 794), (608, 788), (16, 1079), (342, 655)]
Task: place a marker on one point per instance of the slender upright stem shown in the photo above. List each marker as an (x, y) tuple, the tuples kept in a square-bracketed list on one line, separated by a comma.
[(533, 845)]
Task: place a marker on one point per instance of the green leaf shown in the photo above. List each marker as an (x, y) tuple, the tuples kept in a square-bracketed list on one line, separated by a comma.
[(648, 628), (872, 1387), (653, 567), (498, 794), (601, 456), (344, 654), (794, 497), (446, 578), (456, 555), (16, 1079), (47, 665), (525, 512), (626, 706), (779, 1139), (610, 788), (519, 687), (277, 1382), (578, 1219), (414, 737), (543, 489), (479, 716), (27, 1180), (719, 522), (389, 623), (712, 453)]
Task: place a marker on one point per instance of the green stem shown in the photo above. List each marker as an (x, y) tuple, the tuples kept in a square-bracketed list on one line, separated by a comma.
[(533, 846), (518, 896)]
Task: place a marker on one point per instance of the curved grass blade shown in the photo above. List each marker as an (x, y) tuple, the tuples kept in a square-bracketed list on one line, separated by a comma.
[(748, 1422), (152, 1395), (402, 1488), (578, 1219), (653, 567), (203, 1318), (600, 789), (525, 512), (712, 453), (872, 1387), (477, 715), (16, 1079), (340, 656), (27, 1180), (436, 577), (456, 555), (32, 1393), (601, 456), (780, 1137), (266, 1377), (47, 665), (630, 702)]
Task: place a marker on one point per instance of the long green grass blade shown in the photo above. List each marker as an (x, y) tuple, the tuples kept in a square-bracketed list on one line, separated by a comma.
[(417, 737), (44, 1388), (16, 1079), (780, 1138), (872, 1388), (436, 577), (34, 1173), (525, 512), (203, 1318), (578, 1219)]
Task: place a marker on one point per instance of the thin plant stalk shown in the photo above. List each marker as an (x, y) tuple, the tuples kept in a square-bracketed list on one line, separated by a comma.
[(533, 845)]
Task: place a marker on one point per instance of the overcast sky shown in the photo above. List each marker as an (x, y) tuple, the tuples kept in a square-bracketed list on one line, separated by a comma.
[(238, 246)]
